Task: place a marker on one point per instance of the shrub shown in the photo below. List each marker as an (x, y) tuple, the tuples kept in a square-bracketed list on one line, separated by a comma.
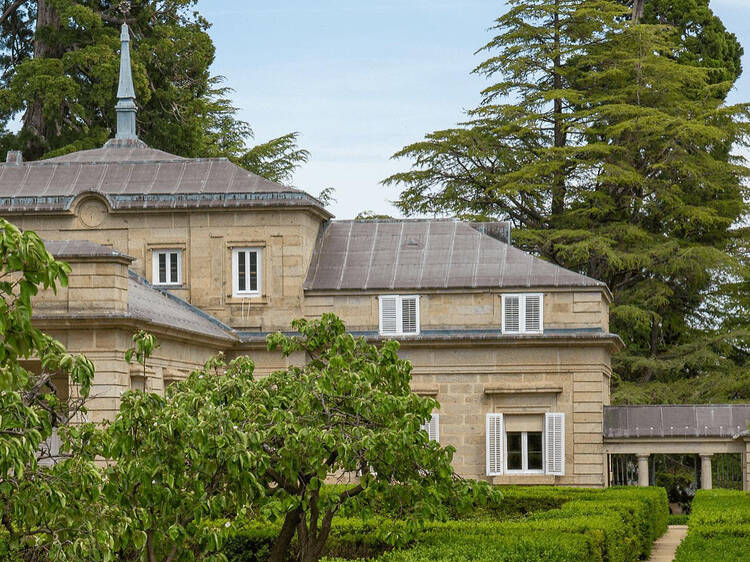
[(719, 527), (614, 525), (526, 548)]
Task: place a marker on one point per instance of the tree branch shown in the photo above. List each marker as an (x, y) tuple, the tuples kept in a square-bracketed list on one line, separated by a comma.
[(11, 10)]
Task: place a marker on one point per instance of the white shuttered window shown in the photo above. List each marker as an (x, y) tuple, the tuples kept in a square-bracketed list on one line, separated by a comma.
[(494, 444), (399, 315), (554, 444), (432, 427), (523, 313)]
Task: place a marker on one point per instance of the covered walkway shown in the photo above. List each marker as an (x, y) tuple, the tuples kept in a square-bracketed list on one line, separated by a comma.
[(705, 430)]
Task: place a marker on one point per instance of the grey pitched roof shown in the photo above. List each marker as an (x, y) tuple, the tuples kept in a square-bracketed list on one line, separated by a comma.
[(132, 176), (81, 249), (163, 308), (684, 420), (136, 153), (426, 254)]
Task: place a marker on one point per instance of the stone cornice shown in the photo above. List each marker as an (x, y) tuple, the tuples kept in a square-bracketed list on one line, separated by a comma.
[(126, 321)]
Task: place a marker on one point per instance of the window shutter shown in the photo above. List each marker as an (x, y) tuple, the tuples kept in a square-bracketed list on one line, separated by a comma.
[(533, 313), (409, 315), (511, 314), (388, 315), (494, 444), (432, 427), (554, 444)]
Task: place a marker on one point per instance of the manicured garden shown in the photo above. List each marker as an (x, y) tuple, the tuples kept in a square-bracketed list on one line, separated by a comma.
[(718, 528), (526, 524)]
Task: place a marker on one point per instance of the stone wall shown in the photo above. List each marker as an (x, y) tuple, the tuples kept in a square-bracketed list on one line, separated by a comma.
[(206, 237), (470, 309), (470, 380), (95, 286)]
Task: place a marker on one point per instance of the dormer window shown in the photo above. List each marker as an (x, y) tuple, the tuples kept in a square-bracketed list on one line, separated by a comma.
[(167, 267), (399, 315), (246, 271), (523, 313)]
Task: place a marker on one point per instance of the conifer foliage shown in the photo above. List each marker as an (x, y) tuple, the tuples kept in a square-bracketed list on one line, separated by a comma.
[(59, 63), (610, 151)]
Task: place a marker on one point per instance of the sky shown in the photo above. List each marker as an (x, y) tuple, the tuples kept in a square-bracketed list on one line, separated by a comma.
[(360, 80)]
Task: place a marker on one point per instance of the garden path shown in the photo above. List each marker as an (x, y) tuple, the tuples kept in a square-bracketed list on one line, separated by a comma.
[(666, 545)]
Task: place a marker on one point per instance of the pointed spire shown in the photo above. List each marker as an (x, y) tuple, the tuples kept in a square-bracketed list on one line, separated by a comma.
[(125, 88), (126, 107)]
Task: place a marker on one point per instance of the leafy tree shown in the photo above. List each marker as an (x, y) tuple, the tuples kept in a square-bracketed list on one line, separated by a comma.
[(225, 444), (348, 410), (611, 157), (59, 65), (144, 344), (180, 458), (41, 512)]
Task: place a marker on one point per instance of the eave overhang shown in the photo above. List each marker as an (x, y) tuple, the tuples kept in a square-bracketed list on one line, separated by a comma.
[(130, 322)]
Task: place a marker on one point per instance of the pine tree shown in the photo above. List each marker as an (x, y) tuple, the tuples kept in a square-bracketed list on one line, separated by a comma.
[(702, 38), (611, 156), (59, 64)]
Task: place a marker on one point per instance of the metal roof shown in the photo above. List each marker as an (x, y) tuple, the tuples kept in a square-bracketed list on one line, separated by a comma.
[(81, 249), (427, 254), (163, 308), (683, 420), (131, 176)]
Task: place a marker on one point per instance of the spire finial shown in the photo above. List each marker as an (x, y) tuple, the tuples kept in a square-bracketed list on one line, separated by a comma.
[(125, 107)]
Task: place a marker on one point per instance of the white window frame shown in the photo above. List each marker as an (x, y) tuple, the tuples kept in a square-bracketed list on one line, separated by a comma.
[(235, 273), (155, 266), (496, 450), (524, 453), (522, 313), (399, 315)]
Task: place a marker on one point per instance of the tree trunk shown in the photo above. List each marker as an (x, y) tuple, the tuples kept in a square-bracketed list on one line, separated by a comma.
[(558, 182), (638, 10), (34, 120), (284, 540)]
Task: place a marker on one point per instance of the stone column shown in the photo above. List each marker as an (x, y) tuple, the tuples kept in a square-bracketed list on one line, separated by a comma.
[(642, 469), (746, 466), (706, 472)]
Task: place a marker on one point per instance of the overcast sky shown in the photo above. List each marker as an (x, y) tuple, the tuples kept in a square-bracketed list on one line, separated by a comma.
[(360, 80)]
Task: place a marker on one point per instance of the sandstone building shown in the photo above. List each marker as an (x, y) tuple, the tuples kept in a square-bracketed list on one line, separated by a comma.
[(210, 257)]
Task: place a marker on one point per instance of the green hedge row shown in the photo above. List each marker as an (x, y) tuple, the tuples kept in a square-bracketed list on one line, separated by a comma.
[(558, 524), (616, 525), (719, 527)]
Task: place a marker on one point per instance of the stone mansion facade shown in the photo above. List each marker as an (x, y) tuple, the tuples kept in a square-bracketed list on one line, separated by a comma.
[(210, 258)]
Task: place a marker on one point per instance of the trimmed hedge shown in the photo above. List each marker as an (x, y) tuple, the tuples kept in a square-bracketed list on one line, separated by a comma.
[(719, 527), (679, 519), (616, 525), (560, 524)]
